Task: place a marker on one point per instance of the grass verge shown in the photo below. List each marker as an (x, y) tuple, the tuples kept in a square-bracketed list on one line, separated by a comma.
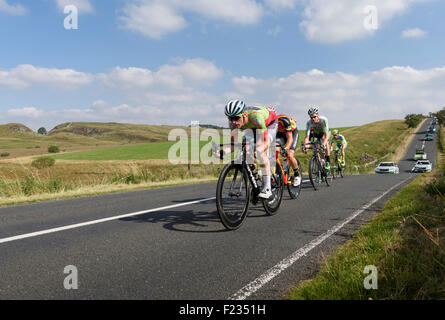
[(406, 243)]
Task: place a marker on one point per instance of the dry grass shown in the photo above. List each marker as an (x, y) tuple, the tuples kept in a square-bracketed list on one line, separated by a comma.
[(401, 150), (99, 189)]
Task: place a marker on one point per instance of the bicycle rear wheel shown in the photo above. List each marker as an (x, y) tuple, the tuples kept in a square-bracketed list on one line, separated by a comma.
[(272, 204), (294, 191), (315, 173), (335, 168), (342, 169), (232, 196), (328, 177)]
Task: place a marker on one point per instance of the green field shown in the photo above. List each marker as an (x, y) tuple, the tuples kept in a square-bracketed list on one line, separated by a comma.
[(148, 151), (18, 140)]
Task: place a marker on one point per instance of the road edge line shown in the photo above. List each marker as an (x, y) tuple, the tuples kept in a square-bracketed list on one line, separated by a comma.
[(263, 279), (88, 223)]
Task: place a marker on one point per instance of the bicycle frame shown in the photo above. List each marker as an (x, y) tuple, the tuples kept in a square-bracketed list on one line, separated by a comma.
[(318, 151), (244, 165), (277, 159)]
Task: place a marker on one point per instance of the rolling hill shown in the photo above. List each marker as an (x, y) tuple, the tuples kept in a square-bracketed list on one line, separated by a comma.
[(17, 140)]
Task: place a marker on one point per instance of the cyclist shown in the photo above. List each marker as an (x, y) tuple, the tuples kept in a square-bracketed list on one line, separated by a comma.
[(340, 143), (287, 136), (317, 128), (264, 125)]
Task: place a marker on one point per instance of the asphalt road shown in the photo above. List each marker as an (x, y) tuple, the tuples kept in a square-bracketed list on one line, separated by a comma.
[(182, 251)]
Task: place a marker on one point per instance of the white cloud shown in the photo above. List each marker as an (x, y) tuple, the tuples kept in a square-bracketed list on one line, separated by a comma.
[(348, 99), (189, 72), (189, 89), (152, 19), (26, 75), (281, 4), (337, 21), (27, 112), (16, 10), (156, 18), (327, 22), (242, 12), (413, 33), (84, 6)]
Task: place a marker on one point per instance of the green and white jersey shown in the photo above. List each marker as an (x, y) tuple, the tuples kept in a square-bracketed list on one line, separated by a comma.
[(319, 128)]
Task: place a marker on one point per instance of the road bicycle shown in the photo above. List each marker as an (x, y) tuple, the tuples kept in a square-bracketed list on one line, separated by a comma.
[(317, 171), (289, 173), (239, 184), (337, 168)]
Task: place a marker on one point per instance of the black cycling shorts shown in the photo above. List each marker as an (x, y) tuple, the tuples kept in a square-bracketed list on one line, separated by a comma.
[(316, 136), (282, 139)]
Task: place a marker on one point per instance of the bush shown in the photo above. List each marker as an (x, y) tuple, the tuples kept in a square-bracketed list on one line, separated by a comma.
[(53, 149), (6, 154), (43, 162), (412, 120)]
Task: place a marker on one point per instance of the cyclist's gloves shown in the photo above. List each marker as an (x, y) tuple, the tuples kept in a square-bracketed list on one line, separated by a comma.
[(221, 154), (284, 153)]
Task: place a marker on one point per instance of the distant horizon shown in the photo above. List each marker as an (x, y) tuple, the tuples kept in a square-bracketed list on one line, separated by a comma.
[(170, 125)]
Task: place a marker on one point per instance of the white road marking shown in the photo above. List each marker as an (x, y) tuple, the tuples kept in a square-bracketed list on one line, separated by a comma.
[(88, 223), (258, 283)]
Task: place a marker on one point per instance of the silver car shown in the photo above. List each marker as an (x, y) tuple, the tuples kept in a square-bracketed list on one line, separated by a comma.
[(387, 167), (422, 166)]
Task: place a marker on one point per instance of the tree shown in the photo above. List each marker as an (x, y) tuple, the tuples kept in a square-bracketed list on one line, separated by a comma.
[(412, 120), (42, 130), (441, 116)]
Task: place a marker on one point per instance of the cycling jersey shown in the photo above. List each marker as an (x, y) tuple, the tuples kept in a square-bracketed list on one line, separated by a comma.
[(286, 124), (258, 119), (317, 129), (339, 141)]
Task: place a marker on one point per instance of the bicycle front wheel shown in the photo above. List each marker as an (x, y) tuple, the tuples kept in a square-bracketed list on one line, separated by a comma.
[(315, 173), (232, 196)]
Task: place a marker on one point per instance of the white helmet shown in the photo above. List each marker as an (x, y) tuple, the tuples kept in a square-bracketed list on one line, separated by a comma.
[(312, 111), (234, 107)]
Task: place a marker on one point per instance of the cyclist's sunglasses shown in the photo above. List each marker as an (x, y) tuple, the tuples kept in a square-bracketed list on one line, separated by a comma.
[(234, 118), (314, 116)]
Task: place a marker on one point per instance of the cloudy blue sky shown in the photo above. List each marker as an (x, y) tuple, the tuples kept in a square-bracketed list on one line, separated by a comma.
[(176, 61)]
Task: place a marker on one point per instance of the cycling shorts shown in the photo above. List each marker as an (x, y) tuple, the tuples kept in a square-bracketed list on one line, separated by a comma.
[(339, 146), (316, 136), (282, 139)]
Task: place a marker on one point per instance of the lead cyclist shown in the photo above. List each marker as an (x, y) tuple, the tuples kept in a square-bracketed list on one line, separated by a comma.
[(264, 125)]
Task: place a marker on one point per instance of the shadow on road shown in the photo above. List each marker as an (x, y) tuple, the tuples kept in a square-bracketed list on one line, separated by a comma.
[(182, 220), (195, 221)]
